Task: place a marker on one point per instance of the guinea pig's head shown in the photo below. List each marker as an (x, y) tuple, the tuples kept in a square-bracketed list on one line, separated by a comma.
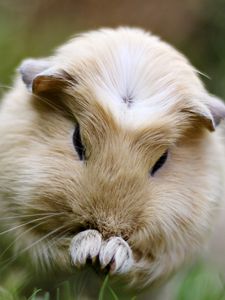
[(109, 149)]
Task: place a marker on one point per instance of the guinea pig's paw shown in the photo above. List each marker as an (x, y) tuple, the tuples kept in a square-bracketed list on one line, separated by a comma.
[(116, 254), (84, 246)]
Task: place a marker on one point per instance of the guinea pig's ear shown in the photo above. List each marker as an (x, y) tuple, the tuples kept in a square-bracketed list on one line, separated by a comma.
[(41, 77), (217, 110), (209, 113)]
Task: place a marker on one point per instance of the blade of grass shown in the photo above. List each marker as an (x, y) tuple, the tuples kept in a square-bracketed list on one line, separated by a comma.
[(57, 294), (5, 295), (47, 296), (103, 288), (113, 293), (33, 296)]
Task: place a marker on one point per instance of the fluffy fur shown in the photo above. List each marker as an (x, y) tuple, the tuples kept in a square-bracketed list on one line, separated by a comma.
[(133, 97)]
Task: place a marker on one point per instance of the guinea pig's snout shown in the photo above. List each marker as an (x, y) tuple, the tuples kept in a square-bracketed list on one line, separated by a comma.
[(113, 255)]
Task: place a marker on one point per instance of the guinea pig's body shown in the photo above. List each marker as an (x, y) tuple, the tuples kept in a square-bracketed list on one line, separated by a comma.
[(112, 149)]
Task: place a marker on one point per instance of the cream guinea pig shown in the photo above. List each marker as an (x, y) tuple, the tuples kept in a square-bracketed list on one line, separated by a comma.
[(111, 152)]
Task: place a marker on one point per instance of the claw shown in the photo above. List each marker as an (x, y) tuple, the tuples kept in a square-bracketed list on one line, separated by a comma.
[(116, 254), (85, 245)]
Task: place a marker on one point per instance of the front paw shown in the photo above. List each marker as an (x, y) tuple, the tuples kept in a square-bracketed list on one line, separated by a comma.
[(116, 254), (84, 246)]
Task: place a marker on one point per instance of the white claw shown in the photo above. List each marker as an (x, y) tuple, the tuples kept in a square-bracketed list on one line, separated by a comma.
[(117, 254), (84, 245)]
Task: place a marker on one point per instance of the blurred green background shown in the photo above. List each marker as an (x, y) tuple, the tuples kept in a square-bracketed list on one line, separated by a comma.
[(33, 28), (196, 27)]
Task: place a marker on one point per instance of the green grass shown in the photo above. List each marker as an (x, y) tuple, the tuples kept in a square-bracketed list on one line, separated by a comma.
[(202, 282)]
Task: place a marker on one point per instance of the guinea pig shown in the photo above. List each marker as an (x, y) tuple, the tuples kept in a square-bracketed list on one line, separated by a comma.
[(111, 153)]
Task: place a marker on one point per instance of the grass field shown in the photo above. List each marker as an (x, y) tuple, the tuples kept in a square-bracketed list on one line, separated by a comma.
[(202, 282)]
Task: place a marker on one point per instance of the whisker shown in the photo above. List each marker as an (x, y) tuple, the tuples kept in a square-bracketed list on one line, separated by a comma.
[(19, 236), (58, 238), (51, 104), (41, 239), (203, 74), (20, 207), (45, 254), (5, 86), (31, 215), (24, 224), (9, 261), (45, 100)]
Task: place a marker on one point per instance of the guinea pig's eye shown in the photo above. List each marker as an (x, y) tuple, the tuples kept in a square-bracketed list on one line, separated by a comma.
[(78, 143), (160, 162)]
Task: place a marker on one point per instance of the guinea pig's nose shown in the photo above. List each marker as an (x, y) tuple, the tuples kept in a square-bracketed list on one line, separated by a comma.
[(113, 255)]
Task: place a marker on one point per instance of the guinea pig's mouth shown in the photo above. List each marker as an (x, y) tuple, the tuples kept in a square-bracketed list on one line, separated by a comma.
[(54, 235)]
